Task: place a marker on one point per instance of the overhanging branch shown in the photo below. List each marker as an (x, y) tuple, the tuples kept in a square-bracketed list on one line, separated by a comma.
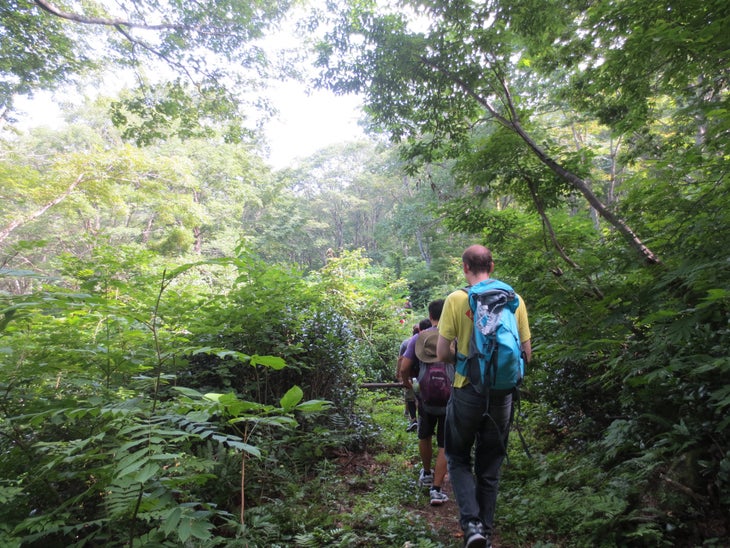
[(571, 178), (104, 21), (154, 51)]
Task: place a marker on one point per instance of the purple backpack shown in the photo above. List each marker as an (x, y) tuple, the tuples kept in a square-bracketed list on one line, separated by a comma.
[(434, 377)]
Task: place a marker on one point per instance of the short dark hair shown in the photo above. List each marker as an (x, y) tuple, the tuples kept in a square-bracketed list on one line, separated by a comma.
[(478, 258), (435, 308), (425, 323)]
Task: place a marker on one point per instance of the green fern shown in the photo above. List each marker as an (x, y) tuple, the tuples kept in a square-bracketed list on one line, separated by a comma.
[(121, 498)]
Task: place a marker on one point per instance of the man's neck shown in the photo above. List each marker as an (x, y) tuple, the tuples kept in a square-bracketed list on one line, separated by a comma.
[(474, 279)]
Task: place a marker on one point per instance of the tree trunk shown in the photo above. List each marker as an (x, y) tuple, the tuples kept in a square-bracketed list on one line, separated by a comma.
[(584, 189), (576, 182)]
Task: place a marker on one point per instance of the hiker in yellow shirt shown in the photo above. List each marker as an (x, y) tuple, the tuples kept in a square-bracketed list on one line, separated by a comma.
[(472, 418)]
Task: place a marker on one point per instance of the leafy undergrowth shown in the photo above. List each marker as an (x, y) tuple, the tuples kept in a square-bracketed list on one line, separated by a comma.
[(386, 505), (370, 497), (365, 498)]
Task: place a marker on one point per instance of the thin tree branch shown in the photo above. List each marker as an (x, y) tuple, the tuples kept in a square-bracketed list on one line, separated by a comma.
[(553, 237), (153, 51), (109, 22), (589, 195), (548, 225), (571, 178), (4, 233)]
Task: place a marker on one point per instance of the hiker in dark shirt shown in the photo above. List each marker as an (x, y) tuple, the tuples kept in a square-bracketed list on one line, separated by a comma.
[(408, 395), (419, 354)]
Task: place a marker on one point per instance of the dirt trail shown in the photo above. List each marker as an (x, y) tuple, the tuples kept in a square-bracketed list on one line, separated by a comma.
[(444, 519)]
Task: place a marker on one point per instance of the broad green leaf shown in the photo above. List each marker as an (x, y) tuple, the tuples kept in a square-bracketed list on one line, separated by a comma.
[(201, 529), (149, 471), (188, 392), (235, 406), (198, 416), (312, 406), (293, 396), (287, 422), (171, 521), (219, 352), (245, 447), (273, 362), (184, 530)]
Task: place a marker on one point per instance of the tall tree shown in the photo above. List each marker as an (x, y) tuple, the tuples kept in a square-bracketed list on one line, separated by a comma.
[(339, 196), (508, 62), (68, 188)]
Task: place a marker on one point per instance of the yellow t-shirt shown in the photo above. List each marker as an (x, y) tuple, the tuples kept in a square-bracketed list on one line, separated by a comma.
[(457, 323)]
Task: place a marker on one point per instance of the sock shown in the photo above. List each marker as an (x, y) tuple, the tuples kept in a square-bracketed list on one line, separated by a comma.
[(412, 410)]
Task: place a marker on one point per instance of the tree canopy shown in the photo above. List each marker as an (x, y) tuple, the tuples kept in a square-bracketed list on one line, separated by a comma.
[(502, 63), (191, 67)]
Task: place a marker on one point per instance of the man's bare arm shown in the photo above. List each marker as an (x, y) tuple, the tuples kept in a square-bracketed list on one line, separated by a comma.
[(527, 350), (443, 350), (406, 366)]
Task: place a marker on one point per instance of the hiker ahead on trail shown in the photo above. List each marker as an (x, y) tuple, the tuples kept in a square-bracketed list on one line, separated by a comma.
[(408, 395), (431, 382), (489, 364)]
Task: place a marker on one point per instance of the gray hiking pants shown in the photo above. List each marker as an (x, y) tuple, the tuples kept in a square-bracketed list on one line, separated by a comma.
[(467, 426)]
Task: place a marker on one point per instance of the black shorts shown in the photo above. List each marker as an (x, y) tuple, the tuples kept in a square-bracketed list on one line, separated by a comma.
[(428, 424)]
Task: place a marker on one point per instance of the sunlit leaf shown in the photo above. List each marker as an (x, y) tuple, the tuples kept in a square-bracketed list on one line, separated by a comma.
[(293, 396), (273, 362)]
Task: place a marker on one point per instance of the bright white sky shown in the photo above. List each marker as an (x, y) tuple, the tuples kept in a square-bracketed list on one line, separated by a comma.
[(308, 123)]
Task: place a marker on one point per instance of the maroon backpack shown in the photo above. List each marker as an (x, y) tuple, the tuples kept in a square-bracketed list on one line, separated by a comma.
[(434, 377)]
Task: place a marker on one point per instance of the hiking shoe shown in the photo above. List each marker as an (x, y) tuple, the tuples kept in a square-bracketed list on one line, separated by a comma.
[(438, 497), (475, 537), (425, 479), (412, 427)]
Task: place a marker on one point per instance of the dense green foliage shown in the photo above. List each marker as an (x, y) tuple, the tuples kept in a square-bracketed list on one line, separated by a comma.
[(183, 332), (128, 396)]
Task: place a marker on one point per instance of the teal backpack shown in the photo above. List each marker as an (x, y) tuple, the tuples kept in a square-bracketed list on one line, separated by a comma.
[(495, 360)]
